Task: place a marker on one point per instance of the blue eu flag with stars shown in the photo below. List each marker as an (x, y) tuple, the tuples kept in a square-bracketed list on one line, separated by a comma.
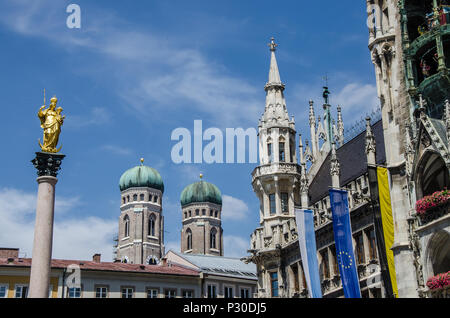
[(343, 239)]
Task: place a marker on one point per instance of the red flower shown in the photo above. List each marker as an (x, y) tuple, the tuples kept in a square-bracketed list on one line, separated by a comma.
[(439, 281), (432, 201)]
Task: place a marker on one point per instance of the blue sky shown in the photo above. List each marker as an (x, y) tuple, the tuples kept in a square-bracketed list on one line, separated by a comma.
[(135, 71)]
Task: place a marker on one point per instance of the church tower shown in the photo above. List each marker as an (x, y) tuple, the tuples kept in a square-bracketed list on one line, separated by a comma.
[(201, 208), (141, 223), (276, 181)]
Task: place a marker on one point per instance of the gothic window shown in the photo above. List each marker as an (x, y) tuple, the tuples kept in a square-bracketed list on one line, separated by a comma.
[(360, 248), (155, 199), (151, 225), (324, 264), (274, 283), (190, 213), (273, 208), (197, 212), (334, 260), (149, 198), (216, 214), (188, 239), (141, 198), (212, 238), (185, 215), (282, 157), (211, 213), (126, 221), (128, 198), (295, 279), (134, 197), (269, 152), (124, 200), (292, 151), (284, 202), (203, 212), (372, 244)]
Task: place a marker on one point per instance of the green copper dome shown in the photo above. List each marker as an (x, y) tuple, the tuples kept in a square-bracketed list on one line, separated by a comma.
[(201, 191), (141, 176)]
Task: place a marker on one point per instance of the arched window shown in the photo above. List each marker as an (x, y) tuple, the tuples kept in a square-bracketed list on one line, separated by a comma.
[(197, 212), (134, 197), (155, 199), (190, 213), (216, 214), (269, 150), (151, 225), (150, 198), (124, 200), (188, 239), (281, 150), (126, 221), (203, 212), (185, 215), (212, 238), (141, 198), (128, 198)]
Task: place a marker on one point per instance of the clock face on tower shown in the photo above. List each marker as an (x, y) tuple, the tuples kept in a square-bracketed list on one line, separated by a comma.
[(152, 260)]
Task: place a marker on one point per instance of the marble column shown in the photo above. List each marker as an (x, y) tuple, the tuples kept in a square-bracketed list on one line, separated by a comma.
[(48, 166)]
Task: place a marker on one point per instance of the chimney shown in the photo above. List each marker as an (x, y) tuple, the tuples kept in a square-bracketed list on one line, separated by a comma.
[(6, 252), (96, 258)]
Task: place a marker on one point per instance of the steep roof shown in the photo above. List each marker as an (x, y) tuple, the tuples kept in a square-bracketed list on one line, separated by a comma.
[(353, 162)]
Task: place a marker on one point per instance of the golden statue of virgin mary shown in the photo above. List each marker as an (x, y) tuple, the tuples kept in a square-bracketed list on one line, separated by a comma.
[(51, 122)]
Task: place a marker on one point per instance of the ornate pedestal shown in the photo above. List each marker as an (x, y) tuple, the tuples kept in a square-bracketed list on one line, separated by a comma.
[(47, 166)]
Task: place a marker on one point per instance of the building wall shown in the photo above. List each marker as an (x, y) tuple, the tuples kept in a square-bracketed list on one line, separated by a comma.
[(18, 276)]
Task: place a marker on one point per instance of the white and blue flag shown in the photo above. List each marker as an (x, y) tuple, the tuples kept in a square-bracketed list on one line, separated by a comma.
[(307, 242)]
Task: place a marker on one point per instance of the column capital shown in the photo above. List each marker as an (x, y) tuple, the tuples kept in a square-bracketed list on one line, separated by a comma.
[(47, 164), (47, 179)]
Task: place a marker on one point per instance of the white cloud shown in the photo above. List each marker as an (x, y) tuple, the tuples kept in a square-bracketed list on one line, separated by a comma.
[(233, 208), (117, 150), (78, 238), (235, 246), (97, 116), (153, 72)]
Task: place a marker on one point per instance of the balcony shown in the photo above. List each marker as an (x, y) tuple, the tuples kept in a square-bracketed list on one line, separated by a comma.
[(433, 207), (276, 168), (439, 286), (427, 37)]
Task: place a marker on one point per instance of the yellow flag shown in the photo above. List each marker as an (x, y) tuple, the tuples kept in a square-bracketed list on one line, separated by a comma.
[(388, 222)]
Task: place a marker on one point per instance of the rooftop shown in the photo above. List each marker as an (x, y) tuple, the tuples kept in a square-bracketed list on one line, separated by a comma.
[(220, 265), (172, 269)]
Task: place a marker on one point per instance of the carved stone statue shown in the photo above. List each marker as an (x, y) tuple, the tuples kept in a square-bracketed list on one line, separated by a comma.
[(51, 122)]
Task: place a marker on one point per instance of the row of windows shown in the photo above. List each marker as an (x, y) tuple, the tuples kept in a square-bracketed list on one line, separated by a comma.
[(212, 213), (151, 198), (129, 292), (284, 203), (212, 239), (150, 226), (281, 152), (228, 292), (20, 291), (360, 252)]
